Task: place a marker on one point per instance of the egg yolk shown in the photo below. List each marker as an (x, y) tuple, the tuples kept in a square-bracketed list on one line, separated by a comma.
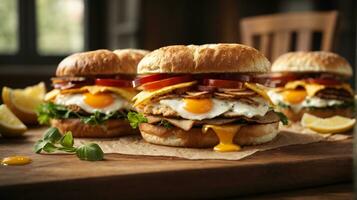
[(198, 106), (99, 100), (294, 96)]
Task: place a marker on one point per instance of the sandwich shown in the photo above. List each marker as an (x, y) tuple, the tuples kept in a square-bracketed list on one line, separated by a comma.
[(204, 96), (92, 93), (314, 83)]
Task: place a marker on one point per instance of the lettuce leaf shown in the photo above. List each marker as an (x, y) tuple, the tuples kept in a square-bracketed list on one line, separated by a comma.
[(48, 111)]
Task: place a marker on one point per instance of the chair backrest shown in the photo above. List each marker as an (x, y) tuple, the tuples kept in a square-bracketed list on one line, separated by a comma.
[(275, 34)]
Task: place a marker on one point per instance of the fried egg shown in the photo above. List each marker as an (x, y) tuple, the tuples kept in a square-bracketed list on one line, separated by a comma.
[(248, 110), (102, 102), (198, 109), (314, 101)]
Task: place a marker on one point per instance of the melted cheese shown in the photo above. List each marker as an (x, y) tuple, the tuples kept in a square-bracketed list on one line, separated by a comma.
[(313, 88), (261, 90), (146, 96), (16, 160), (225, 135), (52, 94), (126, 93)]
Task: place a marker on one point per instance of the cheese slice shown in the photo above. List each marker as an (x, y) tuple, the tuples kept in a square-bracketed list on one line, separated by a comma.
[(225, 135), (146, 96), (126, 93), (313, 88), (51, 94), (261, 90)]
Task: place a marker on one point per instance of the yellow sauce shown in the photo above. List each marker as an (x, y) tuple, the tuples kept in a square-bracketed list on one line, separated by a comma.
[(225, 135), (16, 160)]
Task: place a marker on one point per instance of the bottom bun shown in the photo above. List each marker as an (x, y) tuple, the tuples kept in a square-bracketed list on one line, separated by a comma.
[(111, 128), (318, 112), (247, 135)]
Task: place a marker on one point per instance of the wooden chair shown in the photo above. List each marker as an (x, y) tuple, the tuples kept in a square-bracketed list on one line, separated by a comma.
[(274, 34)]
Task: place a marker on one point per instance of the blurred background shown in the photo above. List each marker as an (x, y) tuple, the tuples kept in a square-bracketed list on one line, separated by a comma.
[(36, 34)]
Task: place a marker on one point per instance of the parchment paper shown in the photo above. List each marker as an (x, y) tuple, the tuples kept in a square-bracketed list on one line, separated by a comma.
[(134, 145)]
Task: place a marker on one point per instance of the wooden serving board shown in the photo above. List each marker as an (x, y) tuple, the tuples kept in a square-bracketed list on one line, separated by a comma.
[(124, 176)]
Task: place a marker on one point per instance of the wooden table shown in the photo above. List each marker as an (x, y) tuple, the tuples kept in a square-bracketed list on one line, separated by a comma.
[(123, 176)]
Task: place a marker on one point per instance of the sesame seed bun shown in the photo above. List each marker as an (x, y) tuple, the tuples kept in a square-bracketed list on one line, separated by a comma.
[(101, 62), (316, 61), (209, 58), (194, 138)]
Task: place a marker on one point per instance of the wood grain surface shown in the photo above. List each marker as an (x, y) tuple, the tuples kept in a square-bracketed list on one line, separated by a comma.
[(123, 176)]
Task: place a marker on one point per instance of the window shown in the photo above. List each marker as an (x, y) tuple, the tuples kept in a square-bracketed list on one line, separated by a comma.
[(43, 32), (8, 27), (60, 26)]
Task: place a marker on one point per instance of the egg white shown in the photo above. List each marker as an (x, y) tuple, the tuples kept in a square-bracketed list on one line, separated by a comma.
[(235, 108), (78, 100), (247, 110)]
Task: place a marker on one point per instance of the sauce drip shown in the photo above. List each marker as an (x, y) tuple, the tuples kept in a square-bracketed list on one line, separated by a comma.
[(225, 135), (16, 160)]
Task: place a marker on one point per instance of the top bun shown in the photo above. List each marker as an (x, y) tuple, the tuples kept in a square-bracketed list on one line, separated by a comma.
[(101, 62), (316, 61), (209, 58)]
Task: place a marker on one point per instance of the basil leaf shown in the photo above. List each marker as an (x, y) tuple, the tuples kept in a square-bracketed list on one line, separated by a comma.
[(50, 140), (49, 148), (37, 148), (90, 152), (135, 119), (67, 139), (53, 135), (283, 118)]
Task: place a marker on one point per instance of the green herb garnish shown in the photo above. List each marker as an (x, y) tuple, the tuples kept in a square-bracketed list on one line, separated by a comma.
[(48, 111), (136, 118), (165, 124), (91, 152), (282, 118), (53, 141), (283, 105)]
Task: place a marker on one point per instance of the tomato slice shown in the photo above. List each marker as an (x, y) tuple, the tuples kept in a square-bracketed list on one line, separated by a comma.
[(113, 82), (148, 78), (165, 82), (223, 83), (67, 79), (324, 81), (70, 85), (286, 77)]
